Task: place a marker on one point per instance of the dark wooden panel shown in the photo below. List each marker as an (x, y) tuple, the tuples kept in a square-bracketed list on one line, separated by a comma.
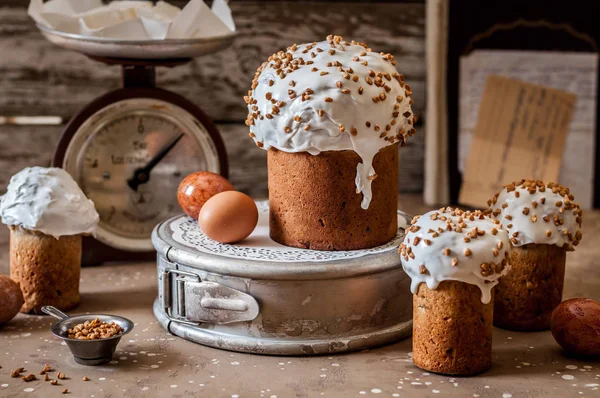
[(37, 78)]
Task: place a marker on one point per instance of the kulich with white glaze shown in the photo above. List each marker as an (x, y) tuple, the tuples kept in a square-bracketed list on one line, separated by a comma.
[(544, 223), (454, 245), (49, 201), (536, 212), (332, 95)]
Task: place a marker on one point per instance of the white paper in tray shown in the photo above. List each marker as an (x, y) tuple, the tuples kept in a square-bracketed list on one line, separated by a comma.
[(134, 20)]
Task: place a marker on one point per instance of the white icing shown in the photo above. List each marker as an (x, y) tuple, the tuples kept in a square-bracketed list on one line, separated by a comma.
[(48, 200), (439, 265), (527, 231), (351, 110)]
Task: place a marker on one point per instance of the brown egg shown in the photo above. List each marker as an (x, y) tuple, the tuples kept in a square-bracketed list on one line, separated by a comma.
[(197, 188), (228, 217), (11, 299), (575, 326)]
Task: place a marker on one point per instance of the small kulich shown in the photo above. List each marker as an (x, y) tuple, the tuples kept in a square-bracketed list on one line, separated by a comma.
[(544, 221), (454, 259)]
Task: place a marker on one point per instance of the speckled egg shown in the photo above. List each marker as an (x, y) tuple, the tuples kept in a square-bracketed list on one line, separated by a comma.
[(228, 217), (197, 188), (11, 299), (575, 326)]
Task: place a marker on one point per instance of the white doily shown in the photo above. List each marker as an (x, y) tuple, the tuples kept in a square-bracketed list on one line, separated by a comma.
[(259, 246)]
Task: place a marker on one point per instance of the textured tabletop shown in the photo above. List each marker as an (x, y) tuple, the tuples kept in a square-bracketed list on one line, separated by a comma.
[(150, 362)]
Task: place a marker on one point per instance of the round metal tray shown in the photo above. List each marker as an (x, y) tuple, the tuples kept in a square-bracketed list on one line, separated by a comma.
[(138, 49), (280, 308)]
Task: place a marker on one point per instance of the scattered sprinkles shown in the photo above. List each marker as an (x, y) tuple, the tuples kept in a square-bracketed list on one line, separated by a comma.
[(331, 78), (283, 64), (431, 252), (539, 213), (457, 221)]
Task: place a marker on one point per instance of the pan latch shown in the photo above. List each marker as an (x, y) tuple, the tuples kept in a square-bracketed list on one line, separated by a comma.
[(198, 301)]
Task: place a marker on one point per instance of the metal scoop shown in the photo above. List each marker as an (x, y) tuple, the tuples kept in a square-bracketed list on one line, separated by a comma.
[(88, 352)]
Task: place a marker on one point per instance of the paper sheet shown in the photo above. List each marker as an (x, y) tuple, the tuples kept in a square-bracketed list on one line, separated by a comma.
[(572, 72), (134, 20), (520, 133)]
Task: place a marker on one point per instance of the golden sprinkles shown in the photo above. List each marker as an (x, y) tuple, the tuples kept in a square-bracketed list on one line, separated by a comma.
[(532, 208), (350, 80), (458, 221)]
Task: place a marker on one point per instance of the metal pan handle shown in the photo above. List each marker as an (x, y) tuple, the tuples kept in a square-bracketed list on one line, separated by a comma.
[(55, 312)]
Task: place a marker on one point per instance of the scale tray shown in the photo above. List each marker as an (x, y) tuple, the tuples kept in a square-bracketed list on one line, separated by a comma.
[(138, 49)]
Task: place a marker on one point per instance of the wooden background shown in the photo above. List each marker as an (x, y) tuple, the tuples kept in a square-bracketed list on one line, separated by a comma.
[(38, 78)]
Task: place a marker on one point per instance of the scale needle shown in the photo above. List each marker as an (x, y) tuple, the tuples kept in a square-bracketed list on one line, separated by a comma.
[(142, 175)]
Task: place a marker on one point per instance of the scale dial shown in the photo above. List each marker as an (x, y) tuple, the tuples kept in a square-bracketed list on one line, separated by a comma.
[(111, 145)]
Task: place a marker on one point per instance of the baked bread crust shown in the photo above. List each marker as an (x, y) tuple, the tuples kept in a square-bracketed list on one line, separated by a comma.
[(532, 289), (47, 269), (452, 329), (313, 203)]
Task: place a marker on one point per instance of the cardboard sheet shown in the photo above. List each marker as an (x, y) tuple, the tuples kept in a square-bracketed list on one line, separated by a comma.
[(520, 133), (572, 72)]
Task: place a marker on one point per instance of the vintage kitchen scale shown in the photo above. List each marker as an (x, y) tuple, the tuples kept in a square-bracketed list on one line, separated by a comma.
[(130, 148)]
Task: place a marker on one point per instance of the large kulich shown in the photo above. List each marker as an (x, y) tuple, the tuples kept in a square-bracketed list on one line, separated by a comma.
[(332, 115)]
